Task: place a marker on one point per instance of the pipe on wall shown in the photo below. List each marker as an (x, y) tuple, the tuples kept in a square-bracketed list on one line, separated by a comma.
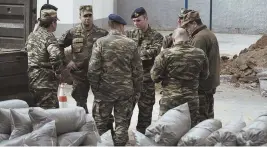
[(47, 1), (210, 14), (186, 4)]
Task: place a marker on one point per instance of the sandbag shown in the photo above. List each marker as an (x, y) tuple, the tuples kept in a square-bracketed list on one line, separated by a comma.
[(44, 136), (20, 124), (92, 133), (5, 120), (141, 140), (255, 134), (197, 135), (168, 130), (12, 104), (106, 139), (38, 118), (67, 119), (4, 137), (227, 135), (71, 139)]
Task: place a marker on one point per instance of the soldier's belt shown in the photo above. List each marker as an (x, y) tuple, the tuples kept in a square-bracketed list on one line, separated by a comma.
[(147, 63)]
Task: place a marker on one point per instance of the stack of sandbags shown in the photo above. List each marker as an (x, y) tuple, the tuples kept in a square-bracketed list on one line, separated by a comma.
[(168, 130), (52, 127), (14, 103), (254, 134), (197, 135), (227, 135)]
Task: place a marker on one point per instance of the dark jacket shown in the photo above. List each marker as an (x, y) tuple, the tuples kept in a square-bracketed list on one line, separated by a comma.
[(204, 39)]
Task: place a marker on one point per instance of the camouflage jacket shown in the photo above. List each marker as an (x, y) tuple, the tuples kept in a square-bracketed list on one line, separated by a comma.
[(81, 41), (179, 69), (43, 51), (149, 45), (167, 41), (115, 67)]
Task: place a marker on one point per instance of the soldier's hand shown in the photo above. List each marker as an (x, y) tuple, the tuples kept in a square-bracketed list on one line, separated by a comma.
[(137, 96), (72, 66)]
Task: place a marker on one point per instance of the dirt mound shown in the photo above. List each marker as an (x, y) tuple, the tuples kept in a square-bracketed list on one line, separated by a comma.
[(249, 62)]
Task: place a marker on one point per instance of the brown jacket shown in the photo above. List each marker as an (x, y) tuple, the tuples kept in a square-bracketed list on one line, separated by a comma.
[(204, 39)]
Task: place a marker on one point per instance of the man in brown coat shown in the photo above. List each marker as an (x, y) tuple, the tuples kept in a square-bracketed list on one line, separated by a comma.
[(203, 38)]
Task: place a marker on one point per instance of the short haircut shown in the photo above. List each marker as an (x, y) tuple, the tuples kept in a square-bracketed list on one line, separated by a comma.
[(49, 6), (113, 24)]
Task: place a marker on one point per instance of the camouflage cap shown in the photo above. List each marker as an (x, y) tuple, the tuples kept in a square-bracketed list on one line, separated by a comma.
[(183, 11), (189, 17), (86, 8), (48, 13)]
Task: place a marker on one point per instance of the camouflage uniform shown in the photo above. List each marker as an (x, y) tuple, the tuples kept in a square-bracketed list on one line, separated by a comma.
[(149, 45), (167, 40), (45, 60), (179, 70), (81, 41), (115, 74)]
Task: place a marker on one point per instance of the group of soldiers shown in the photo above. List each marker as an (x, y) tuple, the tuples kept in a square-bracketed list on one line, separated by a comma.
[(122, 67)]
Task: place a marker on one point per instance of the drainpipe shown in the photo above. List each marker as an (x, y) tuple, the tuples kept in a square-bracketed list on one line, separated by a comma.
[(47, 1), (186, 4), (210, 14)]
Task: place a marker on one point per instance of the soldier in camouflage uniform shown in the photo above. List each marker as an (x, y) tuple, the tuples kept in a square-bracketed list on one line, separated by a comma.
[(81, 38), (45, 61), (179, 69), (149, 43), (203, 38), (168, 40), (115, 74)]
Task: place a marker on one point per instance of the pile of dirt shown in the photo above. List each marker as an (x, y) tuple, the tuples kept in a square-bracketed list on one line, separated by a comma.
[(249, 62)]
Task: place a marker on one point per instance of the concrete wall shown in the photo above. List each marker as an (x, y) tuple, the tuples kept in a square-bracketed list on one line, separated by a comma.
[(240, 16)]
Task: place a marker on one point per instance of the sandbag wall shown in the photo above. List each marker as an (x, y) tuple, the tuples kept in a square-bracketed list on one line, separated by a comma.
[(53, 127)]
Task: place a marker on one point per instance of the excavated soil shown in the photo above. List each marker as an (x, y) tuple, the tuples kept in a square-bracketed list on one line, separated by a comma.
[(248, 63)]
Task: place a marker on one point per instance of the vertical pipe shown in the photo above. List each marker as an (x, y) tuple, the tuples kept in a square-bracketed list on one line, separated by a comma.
[(186, 4), (210, 14), (47, 1)]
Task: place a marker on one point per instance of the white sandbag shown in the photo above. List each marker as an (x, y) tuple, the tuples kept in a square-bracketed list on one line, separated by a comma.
[(197, 135), (5, 119), (4, 137), (168, 130), (12, 104), (255, 134), (67, 119), (141, 140), (227, 135), (38, 118), (71, 139), (44, 136), (20, 124), (92, 136), (106, 139)]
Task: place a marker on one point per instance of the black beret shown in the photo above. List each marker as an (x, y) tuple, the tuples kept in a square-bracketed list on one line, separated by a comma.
[(49, 6), (138, 12), (117, 19)]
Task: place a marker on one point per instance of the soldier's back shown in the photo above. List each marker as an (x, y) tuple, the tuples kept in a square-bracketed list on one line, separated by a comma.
[(117, 53), (184, 65)]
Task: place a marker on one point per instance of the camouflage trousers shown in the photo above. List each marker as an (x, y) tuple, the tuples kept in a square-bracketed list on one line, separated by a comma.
[(43, 86), (206, 104), (122, 112), (145, 106), (80, 90), (193, 103)]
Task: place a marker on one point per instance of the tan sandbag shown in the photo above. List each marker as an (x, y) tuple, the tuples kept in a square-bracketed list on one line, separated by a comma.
[(168, 130)]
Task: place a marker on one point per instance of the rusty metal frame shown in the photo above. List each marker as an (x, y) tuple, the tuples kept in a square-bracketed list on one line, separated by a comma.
[(30, 16)]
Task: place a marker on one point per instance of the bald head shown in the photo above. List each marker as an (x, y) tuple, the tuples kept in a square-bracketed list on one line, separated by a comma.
[(180, 34)]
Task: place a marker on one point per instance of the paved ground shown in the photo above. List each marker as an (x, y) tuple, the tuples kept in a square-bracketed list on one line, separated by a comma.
[(231, 44), (230, 103)]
